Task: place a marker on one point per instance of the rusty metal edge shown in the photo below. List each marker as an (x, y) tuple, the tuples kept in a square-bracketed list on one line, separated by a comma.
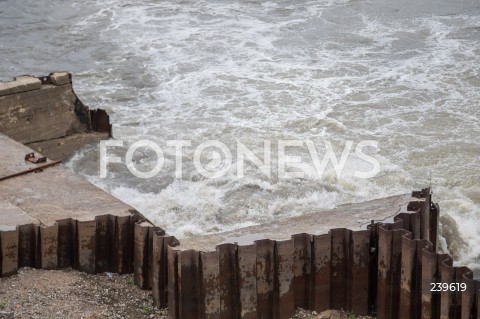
[(31, 170)]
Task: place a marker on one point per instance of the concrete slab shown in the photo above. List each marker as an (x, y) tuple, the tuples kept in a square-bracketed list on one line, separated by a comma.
[(352, 216), (52, 194), (60, 78), (62, 148), (12, 157), (21, 84), (56, 194), (12, 216)]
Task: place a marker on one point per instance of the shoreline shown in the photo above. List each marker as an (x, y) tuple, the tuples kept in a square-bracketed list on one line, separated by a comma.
[(64, 221)]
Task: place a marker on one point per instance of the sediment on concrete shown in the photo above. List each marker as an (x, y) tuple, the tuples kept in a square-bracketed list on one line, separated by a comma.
[(352, 216), (46, 114)]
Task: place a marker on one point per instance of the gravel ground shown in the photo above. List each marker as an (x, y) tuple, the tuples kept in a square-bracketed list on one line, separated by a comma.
[(71, 294), (329, 314)]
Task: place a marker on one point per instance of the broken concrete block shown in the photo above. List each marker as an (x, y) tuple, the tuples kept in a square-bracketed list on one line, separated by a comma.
[(21, 84), (60, 78)]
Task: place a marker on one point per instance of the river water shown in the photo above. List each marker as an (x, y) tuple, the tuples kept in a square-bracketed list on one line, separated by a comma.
[(402, 73)]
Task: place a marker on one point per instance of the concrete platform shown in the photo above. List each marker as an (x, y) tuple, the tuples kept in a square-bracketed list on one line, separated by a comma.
[(351, 216), (53, 194), (64, 147), (51, 218), (11, 216), (12, 157)]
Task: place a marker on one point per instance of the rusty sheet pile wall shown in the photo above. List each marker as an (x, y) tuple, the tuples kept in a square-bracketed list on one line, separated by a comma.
[(104, 244), (386, 270)]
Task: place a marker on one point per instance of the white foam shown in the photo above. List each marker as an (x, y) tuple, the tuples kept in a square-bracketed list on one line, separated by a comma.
[(294, 70)]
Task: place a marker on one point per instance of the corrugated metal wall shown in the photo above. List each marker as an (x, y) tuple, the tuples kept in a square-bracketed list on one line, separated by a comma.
[(99, 245), (386, 270)]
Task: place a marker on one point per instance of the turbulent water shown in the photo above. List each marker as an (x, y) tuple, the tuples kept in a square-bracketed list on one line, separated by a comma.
[(402, 73)]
